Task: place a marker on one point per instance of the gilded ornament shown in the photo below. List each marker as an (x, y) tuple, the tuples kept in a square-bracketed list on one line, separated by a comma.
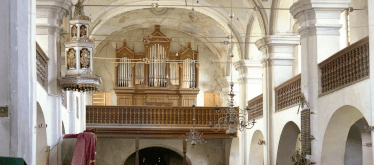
[(71, 59), (85, 58), (74, 31), (83, 31)]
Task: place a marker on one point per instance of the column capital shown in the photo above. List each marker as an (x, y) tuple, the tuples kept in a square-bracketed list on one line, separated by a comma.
[(49, 14), (319, 17), (278, 49), (249, 71)]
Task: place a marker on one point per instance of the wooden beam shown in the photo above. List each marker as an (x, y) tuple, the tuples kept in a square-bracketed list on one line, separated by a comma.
[(184, 151), (137, 151)]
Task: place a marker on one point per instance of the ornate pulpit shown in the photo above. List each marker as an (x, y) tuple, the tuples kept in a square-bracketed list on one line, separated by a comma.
[(156, 77)]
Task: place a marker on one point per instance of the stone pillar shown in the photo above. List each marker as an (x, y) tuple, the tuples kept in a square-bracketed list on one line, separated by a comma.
[(250, 85), (319, 31), (277, 64), (371, 56), (18, 74)]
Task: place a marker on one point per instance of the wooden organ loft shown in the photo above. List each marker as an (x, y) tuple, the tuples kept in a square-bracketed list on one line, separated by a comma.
[(156, 77)]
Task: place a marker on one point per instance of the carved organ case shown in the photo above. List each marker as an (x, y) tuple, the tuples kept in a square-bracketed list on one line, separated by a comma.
[(156, 77)]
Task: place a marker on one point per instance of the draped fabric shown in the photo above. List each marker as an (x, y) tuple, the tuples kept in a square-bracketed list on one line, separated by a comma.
[(84, 152)]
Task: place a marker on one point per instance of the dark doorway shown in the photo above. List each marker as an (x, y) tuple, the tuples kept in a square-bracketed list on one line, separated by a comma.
[(156, 156)]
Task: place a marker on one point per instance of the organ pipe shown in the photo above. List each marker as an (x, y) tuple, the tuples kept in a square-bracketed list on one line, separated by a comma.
[(124, 72), (157, 65), (189, 72)]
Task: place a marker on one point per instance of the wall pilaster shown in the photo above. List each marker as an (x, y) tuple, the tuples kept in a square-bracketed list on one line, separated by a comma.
[(277, 64), (319, 31)]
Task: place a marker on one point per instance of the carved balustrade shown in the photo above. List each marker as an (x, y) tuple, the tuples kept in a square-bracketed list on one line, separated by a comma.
[(288, 93), (255, 107), (151, 115), (41, 67), (346, 67)]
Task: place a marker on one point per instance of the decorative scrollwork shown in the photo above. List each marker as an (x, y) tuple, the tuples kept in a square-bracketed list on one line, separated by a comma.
[(71, 59), (85, 58), (232, 119)]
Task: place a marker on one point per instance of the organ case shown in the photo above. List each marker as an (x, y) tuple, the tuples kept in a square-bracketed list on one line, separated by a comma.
[(156, 77)]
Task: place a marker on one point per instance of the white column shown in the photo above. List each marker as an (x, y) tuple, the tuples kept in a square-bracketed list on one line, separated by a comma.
[(371, 47), (319, 31), (250, 86), (277, 68), (18, 68)]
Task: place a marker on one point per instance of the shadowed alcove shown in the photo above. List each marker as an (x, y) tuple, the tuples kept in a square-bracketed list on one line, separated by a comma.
[(156, 156)]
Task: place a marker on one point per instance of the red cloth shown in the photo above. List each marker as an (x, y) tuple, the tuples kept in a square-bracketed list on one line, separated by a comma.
[(84, 150)]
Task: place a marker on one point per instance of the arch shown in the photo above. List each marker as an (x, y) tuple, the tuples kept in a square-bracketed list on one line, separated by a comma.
[(336, 134), (150, 154), (220, 15), (158, 146), (41, 136), (287, 143), (277, 17), (256, 153)]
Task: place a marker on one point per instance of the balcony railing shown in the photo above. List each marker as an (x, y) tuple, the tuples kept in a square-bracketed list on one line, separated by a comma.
[(288, 93), (346, 67), (256, 107), (41, 67), (151, 115)]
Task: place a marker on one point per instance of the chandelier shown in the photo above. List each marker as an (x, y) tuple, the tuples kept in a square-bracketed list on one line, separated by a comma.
[(194, 136), (232, 119)]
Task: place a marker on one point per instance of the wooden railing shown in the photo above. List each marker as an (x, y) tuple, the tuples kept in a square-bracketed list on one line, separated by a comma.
[(256, 107), (151, 115), (346, 67), (288, 93), (41, 67)]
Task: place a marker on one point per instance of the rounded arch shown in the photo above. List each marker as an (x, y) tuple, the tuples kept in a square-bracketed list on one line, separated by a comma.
[(256, 153), (281, 20), (287, 143), (41, 136), (158, 146), (336, 134)]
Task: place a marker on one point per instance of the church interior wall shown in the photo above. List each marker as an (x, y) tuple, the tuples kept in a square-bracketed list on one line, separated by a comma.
[(208, 72), (116, 150), (5, 83)]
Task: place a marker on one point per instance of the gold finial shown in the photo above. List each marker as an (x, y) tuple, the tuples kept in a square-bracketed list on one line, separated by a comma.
[(157, 27)]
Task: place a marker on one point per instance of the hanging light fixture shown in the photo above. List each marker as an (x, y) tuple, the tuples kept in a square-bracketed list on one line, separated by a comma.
[(78, 60), (194, 136), (232, 119)]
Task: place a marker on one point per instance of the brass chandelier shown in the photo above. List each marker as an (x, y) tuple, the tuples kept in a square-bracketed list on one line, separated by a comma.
[(232, 119), (194, 136)]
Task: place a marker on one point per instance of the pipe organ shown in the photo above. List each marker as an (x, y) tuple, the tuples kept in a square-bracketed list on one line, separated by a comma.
[(124, 72), (157, 56), (156, 77)]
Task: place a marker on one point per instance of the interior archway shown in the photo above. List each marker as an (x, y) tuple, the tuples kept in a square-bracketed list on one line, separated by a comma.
[(156, 155), (337, 134), (287, 143), (41, 136), (256, 154)]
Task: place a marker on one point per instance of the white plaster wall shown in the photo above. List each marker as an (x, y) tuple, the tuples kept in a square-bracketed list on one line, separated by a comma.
[(116, 150), (208, 72), (358, 20), (355, 95), (4, 72)]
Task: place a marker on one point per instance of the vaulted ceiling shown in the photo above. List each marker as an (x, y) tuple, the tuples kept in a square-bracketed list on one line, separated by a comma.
[(209, 21)]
